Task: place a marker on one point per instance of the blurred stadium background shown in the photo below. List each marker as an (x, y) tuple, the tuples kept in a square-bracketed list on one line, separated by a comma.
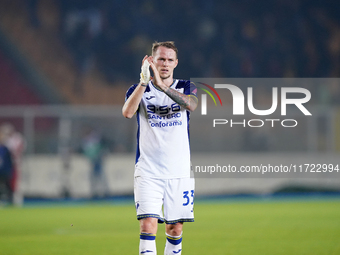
[(65, 66)]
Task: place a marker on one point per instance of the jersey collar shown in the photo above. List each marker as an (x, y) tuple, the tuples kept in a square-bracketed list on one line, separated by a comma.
[(174, 83)]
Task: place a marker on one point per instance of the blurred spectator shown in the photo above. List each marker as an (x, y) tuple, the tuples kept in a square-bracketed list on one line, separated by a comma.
[(6, 170), (83, 28), (16, 144), (280, 38), (94, 149), (32, 6)]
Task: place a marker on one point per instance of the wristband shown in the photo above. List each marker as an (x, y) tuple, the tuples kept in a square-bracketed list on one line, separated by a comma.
[(144, 85)]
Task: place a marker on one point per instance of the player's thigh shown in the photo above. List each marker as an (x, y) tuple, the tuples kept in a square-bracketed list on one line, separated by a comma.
[(179, 200), (148, 193)]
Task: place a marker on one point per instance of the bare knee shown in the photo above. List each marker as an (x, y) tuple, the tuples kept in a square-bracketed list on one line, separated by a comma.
[(148, 225), (174, 229)]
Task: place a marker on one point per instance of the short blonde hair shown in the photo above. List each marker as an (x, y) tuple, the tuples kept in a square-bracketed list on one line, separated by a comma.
[(167, 44)]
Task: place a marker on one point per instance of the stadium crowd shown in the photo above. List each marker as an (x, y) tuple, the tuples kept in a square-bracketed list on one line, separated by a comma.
[(281, 38)]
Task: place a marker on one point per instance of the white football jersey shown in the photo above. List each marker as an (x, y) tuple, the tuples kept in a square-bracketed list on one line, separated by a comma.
[(163, 149)]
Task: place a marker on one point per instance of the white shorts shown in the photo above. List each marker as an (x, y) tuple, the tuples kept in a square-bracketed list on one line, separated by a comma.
[(175, 195)]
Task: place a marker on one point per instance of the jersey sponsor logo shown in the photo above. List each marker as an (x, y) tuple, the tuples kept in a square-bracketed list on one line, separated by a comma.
[(163, 117), (164, 112), (162, 124), (163, 109)]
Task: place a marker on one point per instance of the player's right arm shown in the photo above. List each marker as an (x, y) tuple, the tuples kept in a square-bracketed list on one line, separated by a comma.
[(132, 103)]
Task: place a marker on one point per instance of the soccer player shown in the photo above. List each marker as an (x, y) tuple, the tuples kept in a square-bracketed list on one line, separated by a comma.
[(162, 170)]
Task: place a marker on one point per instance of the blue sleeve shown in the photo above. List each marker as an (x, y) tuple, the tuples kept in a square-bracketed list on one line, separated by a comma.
[(190, 89), (130, 91)]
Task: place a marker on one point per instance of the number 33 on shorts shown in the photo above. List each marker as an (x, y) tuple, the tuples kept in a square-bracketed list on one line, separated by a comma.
[(188, 199)]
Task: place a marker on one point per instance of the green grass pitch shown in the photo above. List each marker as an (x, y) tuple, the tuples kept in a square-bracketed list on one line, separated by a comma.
[(234, 227)]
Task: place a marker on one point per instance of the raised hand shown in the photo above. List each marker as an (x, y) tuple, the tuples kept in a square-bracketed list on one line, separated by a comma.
[(145, 71), (156, 79)]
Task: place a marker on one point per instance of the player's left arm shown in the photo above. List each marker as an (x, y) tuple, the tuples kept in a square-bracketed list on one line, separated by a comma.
[(189, 102)]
